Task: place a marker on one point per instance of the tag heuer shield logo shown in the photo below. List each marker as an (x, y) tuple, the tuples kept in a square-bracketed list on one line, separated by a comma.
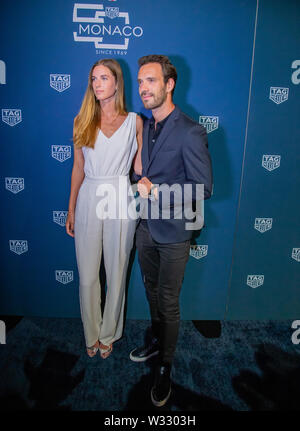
[(210, 122), (263, 224), (296, 254), (11, 116), (61, 152), (60, 217), (63, 276), (18, 246), (198, 251), (112, 12), (60, 82), (270, 162), (279, 94), (14, 185), (255, 280)]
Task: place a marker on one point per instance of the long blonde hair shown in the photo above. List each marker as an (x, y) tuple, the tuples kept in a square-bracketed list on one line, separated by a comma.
[(88, 120)]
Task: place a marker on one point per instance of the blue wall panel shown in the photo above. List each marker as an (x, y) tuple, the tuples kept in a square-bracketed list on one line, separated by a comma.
[(273, 130)]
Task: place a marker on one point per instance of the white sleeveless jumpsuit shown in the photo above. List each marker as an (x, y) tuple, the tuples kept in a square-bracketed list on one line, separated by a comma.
[(105, 164)]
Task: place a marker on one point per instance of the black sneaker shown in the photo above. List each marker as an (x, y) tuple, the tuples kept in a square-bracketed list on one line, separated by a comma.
[(161, 390), (141, 354)]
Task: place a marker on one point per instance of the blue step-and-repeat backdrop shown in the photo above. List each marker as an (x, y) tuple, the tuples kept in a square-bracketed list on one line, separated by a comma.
[(238, 64)]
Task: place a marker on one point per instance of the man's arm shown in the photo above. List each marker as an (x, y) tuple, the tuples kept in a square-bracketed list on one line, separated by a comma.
[(197, 161), (198, 172)]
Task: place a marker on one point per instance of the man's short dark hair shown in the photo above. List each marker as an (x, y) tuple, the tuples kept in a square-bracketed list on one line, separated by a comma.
[(169, 71)]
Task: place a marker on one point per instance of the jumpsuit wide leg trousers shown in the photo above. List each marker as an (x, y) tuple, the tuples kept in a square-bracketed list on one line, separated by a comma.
[(114, 238)]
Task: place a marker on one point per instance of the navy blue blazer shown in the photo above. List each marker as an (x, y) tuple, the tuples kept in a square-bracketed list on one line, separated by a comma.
[(180, 156)]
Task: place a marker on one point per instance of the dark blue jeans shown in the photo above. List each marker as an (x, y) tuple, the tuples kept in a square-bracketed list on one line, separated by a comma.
[(163, 268)]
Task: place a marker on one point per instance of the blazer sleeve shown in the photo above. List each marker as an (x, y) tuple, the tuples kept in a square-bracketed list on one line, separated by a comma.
[(135, 177), (197, 160)]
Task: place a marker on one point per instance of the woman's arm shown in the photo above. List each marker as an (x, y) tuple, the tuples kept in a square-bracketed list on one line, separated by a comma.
[(76, 181), (137, 162)]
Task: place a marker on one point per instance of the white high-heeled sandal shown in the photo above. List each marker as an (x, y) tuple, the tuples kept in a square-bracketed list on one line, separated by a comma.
[(93, 350), (104, 353)]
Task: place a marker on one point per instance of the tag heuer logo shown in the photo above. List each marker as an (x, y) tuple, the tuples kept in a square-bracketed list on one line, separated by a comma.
[(61, 152), (11, 116), (279, 94), (18, 246), (112, 12), (271, 162), (209, 122), (263, 224), (198, 251), (255, 280), (60, 217), (63, 276), (14, 185), (60, 82), (296, 254)]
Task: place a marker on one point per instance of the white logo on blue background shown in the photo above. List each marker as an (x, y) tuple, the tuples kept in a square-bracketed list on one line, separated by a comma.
[(255, 280), (63, 276), (60, 217), (210, 122), (60, 82), (61, 152), (198, 251), (93, 28), (14, 185), (296, 254), (263, 224), (279, 94), (112, 12), (11, 116), (18, 246), (270, 162)]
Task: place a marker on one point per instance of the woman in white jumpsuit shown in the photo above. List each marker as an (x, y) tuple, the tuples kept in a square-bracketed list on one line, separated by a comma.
[(107, 141)]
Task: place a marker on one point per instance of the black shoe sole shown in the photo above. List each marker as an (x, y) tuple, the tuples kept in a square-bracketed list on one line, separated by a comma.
[(162, 402), (137, 359)]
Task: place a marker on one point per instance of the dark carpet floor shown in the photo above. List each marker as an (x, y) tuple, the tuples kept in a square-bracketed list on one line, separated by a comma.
[(249, 365)]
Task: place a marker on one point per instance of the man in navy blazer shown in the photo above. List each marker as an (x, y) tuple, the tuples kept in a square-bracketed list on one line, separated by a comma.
[(176, 175)]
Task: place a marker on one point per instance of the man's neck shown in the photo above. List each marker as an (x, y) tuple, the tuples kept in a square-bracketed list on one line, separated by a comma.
[(163, 111)]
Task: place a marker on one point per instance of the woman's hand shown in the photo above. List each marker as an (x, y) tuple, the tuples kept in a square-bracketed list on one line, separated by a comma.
[(70, 223), (76, 181), (144, 187)]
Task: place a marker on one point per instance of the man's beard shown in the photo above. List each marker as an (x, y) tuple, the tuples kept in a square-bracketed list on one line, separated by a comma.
[(156, 101)]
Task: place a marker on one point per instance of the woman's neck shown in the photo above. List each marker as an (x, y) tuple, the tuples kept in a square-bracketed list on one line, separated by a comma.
[(108, 108)]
